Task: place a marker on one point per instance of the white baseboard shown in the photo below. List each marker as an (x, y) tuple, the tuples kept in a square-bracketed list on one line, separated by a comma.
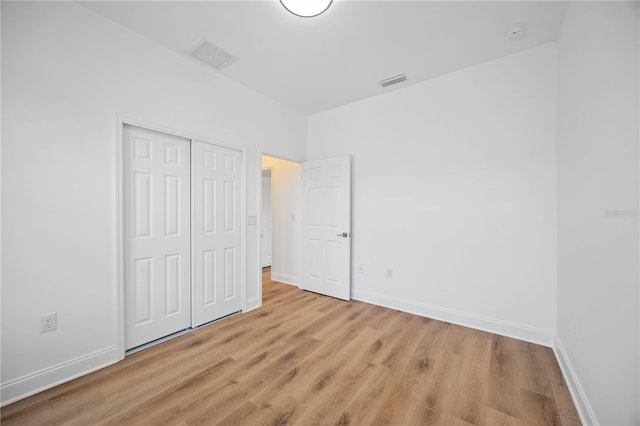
[(580, 400), (491, 325), (284, 278), (25, 386)]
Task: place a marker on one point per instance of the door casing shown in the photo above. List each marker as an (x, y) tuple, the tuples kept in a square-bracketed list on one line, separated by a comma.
[(262, 222)]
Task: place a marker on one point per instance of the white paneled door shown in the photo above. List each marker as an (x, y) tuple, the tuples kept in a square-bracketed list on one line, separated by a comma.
[(156, 181), (326, 227), (182, 233), (216, 232)]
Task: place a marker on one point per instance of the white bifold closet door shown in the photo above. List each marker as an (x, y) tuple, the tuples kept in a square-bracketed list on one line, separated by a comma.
[(216, 232), (156, 185)]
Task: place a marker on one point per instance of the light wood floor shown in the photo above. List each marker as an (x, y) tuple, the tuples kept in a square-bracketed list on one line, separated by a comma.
[(308, 359)]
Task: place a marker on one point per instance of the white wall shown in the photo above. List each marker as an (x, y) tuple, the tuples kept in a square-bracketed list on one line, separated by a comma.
[(598, 184), (454, 188), (67, 74), (287, 181)]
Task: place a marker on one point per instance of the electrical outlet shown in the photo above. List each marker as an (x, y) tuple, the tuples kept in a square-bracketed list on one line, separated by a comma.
[(389, 272), (48, 322), (361, 269)]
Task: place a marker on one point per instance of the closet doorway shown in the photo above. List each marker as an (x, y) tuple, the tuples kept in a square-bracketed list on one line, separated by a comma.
[(182, 233)]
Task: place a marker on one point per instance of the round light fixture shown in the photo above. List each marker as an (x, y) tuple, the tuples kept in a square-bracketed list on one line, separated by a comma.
[(306, 8)]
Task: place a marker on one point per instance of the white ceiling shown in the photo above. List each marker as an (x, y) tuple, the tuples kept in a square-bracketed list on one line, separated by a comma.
[(314, 64)]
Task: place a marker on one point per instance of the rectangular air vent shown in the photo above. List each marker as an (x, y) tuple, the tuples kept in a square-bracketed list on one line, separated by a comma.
[(392, 80), (211, 54)]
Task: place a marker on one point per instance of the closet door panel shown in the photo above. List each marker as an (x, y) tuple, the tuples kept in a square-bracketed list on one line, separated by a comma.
[(216, 235), (156, 183)]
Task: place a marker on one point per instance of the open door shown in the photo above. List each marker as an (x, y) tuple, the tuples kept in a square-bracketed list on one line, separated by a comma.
[(326, 227)]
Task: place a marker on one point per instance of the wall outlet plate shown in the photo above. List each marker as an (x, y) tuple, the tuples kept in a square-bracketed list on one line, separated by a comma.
[(48, 322)]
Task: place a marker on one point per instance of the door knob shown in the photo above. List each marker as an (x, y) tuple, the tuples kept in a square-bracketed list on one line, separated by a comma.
[(344, 235)]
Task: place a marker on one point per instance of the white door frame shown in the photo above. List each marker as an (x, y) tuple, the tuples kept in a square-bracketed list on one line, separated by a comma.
[(271, 179), (119, 195)]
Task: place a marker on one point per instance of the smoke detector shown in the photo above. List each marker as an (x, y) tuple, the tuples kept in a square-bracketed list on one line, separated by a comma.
[(392, 80), (212, 55), (516, 31)]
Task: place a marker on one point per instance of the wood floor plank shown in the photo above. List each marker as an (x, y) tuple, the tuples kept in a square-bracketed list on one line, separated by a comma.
[(239, 416), (437, 396), (158, 400), (276, 414), (472, 388), (420, 369), (335, 394), (456, 340), (539, 410), (333, 317), (551, 367), (218, 400), (504, 377), (533, 371), (383, 317), (366, 403), (566, 409), (306, 359), (305, 375), (351, 315), (498, 418), (414, 356)]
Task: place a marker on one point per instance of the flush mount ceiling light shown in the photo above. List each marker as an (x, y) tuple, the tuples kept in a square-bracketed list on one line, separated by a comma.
[(306, 8)]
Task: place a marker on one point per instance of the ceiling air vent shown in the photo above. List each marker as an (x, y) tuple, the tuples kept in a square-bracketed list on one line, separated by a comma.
[(516, 31), (392, 80), (211, 54)]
